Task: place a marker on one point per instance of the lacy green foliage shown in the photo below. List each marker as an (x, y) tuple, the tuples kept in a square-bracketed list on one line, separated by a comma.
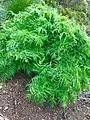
[(50, 2), (40, 40), (35, 1)]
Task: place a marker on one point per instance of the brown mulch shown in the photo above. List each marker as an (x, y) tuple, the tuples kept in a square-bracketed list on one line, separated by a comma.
[(14, 106)]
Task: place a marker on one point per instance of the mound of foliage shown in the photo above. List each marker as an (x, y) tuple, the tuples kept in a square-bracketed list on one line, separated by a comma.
[(51, 2), (51, 45)]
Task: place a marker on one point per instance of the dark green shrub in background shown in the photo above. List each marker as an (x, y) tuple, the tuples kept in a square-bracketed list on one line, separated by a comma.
[(80, 16), (51, 2), (41, 40), (77, 9), (3, 10), (89, 9), (18, 5), (88, 13)]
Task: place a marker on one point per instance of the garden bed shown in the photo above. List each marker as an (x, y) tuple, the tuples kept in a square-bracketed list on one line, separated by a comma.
[(55, 51), (14, 106)]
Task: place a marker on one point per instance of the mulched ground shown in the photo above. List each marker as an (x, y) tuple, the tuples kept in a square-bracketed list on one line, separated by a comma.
[(14, 106)]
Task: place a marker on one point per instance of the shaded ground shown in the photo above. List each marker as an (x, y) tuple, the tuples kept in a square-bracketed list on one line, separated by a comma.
[(14, 106)]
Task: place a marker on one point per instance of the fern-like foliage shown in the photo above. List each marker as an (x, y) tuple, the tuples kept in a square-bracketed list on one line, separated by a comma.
[(58, 49)]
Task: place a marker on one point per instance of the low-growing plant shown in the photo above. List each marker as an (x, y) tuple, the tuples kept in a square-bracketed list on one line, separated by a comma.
[(56, 48)]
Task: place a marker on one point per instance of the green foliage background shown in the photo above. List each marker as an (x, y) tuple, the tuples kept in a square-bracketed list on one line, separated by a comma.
[(77, 9), (18, 5)]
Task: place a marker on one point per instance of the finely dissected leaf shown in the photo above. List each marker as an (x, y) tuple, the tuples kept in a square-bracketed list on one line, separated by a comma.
[(55, 48)]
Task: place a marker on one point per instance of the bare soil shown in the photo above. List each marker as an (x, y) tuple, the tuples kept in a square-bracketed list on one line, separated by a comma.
[(14, 106)]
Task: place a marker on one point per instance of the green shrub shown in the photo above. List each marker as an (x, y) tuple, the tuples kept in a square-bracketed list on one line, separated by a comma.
[(55, 47), (18, 5)]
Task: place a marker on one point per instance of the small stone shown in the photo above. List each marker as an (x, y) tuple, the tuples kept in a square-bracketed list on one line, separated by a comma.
[(6, 108), (0, 108), (4, 92), (1, 118), (84, 113), (78, 109), (39, 108), (84, 106), (0, 86), (88, 108), (6, 118)]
